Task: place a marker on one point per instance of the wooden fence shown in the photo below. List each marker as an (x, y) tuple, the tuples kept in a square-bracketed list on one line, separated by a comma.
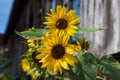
[(99, 13)]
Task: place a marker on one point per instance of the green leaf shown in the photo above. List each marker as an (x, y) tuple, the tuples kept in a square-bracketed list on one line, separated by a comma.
[(35, 34), (37, 74), (66, 79), (31, 70), (83, 30), (108, 59), (2, 75), (86, 69), (110, 67)]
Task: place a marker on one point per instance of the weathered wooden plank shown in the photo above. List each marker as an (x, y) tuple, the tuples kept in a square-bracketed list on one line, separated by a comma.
[(115, 20), (48, 5), (36, 9), (59, 2), (70, 4)]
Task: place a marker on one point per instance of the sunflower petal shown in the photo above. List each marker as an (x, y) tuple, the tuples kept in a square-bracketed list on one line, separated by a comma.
[(71, 13), (64, 64), (59, 67), (70, 48), (40, 56), (70, 59)]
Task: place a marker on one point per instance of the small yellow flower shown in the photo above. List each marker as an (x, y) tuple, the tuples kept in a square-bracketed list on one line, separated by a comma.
[(56, 53), (61, 21), (25, 65), (82, 45), (32, 28), (30, 50), (32, 42)]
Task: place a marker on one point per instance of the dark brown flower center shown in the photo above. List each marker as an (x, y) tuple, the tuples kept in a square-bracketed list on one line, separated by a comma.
[(35, 42), (58, 51), (85, 45), (61, 24), (36, 60)]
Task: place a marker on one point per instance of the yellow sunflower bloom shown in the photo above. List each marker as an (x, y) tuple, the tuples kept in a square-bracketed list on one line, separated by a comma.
[(56, 53), (82, 45), (61, 21), (30, 50), (25, 65), (32, 42)]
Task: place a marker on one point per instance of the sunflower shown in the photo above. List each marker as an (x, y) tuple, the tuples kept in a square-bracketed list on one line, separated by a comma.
[(56, 53), (32, 42), (25, 65), (60, 21), (83, 45)]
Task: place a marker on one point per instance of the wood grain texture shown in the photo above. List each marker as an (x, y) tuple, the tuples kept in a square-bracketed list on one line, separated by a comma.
[(99, 13)]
